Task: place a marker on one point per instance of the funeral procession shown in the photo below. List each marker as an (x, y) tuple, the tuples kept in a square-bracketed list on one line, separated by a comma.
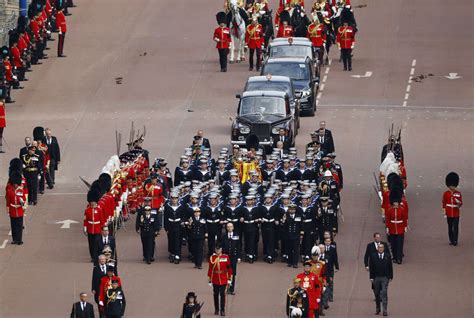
[(239, 158)]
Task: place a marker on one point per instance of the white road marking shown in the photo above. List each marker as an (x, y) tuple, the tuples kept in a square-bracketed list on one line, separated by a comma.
[(411, 107), (66, 224), (405, 104), (4, 244), (413, 63), (327, 70), (10, 233), (407, 91), (319, 95), (321, 88), (412, 71), (408, 88), (406, 96), (325, 78)]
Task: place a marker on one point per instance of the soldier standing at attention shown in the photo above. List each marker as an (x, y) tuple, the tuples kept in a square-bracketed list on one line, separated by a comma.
[(220, 277), (452, 201)]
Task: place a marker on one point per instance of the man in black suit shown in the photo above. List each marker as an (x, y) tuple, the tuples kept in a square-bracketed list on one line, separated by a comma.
[(82, 309), (333, 262), (282, 136), (100, 242), (327, 133), (98, 272), (372, 248), (54, 153), (24, 150), (381, 272), (325, 141)]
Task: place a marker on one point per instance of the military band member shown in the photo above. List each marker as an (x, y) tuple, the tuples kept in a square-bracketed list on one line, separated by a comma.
[(114, 303), (174, 213), (285, 30), (452, 201), (254, 40), (148, 229), (31, 168), (197, 233), (292, 228), (317, 36), (220, 276)]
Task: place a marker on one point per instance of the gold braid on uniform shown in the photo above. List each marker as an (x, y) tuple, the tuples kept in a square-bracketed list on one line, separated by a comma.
[(111, 297), (292, 295)]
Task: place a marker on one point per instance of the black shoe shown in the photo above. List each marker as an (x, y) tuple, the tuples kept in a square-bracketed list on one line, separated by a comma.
[(144, 259), (13, 242), (216, 312), (258, 69), (222, 70), (232, 292), (451, 243), (385, 313), (62, 55), (199, 267), (326, 307), (19, 243), (399, 262), (377, 312), (148, 262), (289, 265), (345, 68), (350, 69), (295, 266), (394, 260), (250, 68), (50, 187), (222, 313), (455, 243), (41, 192), (152, 259), (1, 151), (225, 70), (35, 203)]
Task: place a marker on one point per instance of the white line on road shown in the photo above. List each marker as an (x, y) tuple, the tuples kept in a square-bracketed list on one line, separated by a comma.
[(321, 88), (4, 244), (325, 78), (10, 233), (412, 71), (406, 96), (408, 89), (411, 107), (413, 63)]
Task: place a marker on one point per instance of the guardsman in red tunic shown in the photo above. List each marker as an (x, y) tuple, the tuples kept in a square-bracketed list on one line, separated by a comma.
[(310, 283), (345, 42), (254, 40), (3, 122), (396, 222), (285, 30), (155, 192), (317, 36), (62, 28), (452, 201), (16, 202), (223, 39), (93, 220), (16, 56), (220, 276)]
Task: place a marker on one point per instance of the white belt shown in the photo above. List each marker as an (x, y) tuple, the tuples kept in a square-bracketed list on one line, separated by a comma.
[(233, 220), (15, 206), (253, 221), (307, 221), (396, 222), (215, 221), (452, 205), (174, 220), (91, 222), (268, 220)]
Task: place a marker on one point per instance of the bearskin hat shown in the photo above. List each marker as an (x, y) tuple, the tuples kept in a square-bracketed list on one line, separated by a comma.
[(346, 16), (15, 166), (38, 133), (394, 182), (22, 21), (221, 17), (98, 186), (31, 12), (14, 37), (106, 180), (16, 178), (395, 196), (285, 16), (93, 195), (452, 179)]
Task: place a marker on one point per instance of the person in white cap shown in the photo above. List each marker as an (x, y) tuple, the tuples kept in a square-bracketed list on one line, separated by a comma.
[(249, 220)]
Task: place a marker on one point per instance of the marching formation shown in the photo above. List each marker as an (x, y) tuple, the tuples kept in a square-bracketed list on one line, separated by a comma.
[(249, 25)]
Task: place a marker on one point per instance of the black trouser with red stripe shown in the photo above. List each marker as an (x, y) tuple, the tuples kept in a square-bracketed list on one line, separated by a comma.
[(61, 43), (219, 291)]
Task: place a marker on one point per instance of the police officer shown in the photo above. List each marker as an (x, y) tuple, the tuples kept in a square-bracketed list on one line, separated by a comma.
[(148, 229), (32, 167), (174, 214), (231, 246), (197, 234)]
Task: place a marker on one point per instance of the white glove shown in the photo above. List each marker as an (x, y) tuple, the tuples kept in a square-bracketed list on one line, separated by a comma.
[(101, 303), (229, 282), (367, 268), (210, 284), (406, 230), (318, 300), (387, 230)]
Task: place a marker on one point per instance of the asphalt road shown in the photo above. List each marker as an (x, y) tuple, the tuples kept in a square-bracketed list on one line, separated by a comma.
[(176, 88)]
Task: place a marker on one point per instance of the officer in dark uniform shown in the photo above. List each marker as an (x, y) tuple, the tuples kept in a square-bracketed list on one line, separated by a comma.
[(231, 246), (328, 217), (337, 167), (212, 212), (267, 214), (249, 218), (148, 229), (308, 219), (32, 167), (292, 228), (197, 234), (114, 304), (174, 213), (314, 141)]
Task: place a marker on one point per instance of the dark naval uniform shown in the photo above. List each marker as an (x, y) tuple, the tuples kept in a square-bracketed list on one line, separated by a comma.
[(148, 227)]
